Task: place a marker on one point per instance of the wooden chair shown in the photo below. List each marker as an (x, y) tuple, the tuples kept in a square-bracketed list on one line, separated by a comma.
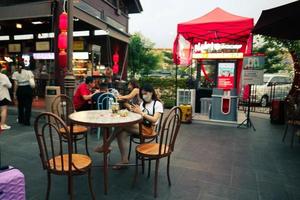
[(63, 106), (104, 102), (292, 105), (165, 147), (142, 138), (56, 150)]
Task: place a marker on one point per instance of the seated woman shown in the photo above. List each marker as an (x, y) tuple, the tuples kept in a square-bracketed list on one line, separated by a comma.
[(150, 109), (133, 98)]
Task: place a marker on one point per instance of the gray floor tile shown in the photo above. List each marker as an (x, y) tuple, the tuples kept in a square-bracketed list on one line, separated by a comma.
[(209, 162)]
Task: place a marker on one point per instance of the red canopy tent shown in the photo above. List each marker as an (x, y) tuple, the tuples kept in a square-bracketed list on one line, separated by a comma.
[(217, 26)]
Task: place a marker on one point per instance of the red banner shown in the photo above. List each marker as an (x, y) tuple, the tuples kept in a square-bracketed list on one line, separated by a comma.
[(182, 51)]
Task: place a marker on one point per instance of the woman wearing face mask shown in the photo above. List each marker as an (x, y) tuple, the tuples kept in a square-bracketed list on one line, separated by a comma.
[(133, 98), (150, 109)]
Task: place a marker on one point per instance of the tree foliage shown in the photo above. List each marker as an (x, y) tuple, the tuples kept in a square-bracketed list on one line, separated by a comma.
[(289, 46), (276, 53), (141, 58)]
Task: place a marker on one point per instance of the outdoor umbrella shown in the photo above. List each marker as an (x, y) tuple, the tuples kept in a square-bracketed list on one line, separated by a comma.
[(281, 22)]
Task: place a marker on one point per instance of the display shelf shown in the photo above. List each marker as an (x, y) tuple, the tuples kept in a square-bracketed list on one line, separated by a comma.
[(79, 69)]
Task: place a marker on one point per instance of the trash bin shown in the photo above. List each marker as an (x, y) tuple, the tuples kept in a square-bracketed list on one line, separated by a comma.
[(201, 93), (186, 113), (51, 93), (205, 105), (224, 105), (277, 112)]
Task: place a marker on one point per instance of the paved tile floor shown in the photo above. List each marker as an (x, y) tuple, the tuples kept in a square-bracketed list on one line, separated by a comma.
[(210, 162)]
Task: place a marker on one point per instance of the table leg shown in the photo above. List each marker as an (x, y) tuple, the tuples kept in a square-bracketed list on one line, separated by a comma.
[(105, 152), (71, 132)]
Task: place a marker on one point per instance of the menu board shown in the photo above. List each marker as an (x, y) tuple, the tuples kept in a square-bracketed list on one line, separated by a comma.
[(14, 48), (253, 70), (226, 73)]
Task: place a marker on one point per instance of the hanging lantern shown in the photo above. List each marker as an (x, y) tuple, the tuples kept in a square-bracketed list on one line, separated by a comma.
[(115, 69), (63, 21), (116, 58), (62, 59), (62, 40)]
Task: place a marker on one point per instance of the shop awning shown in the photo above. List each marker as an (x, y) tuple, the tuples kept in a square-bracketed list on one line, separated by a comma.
[(217, 26), (42, 9), (280, 22), (26, 10), (100, 25)]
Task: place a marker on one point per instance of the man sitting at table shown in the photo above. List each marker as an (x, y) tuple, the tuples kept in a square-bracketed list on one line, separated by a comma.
[(103, 89), (84, 94)]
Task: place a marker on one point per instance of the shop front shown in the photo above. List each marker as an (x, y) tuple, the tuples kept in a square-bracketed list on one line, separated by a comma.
[(99, 33)]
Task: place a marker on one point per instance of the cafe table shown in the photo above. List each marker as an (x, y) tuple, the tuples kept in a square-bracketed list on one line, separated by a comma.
[(104, 119)]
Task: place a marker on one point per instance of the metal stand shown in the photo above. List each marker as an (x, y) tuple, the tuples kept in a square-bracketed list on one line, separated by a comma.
[(247, 122)]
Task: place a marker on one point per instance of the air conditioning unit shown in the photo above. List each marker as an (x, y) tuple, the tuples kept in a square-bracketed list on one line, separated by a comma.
[(186, 96)]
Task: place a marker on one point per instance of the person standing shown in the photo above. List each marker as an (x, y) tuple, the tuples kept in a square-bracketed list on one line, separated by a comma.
[(4, 99), (23, 93), (83, 94)]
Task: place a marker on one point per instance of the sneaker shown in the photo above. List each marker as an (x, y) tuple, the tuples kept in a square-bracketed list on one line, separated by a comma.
[(5, 127)]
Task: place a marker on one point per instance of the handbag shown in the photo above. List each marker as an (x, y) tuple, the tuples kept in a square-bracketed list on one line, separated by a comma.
[(32, 82), (147, 131)]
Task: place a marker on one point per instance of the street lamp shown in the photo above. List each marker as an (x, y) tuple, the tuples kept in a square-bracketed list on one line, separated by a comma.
[(69, 80)]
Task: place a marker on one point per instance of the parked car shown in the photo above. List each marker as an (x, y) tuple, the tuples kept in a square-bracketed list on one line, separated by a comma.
[(160, 74), (277, 84)]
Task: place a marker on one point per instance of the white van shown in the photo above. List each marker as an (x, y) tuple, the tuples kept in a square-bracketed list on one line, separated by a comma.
[(281, 87)]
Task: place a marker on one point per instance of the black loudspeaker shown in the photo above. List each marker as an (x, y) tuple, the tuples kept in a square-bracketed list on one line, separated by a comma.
[(277, 112)]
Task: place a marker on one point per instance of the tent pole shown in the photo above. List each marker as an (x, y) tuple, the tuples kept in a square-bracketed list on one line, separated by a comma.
[(176, 84)]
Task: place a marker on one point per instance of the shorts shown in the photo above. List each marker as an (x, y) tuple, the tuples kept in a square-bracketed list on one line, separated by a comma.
[(4, 102)]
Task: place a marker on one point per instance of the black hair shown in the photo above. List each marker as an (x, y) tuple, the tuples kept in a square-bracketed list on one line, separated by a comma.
[(103, 85), (21, 66), (134, 83), (89, 79), (148, 88)]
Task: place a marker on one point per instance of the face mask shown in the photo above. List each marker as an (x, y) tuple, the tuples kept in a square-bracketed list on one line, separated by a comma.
[(147, 97)]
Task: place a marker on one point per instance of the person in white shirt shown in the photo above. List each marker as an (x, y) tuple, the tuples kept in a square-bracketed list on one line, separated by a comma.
[(24, 93), (5, 99), (150, 109)]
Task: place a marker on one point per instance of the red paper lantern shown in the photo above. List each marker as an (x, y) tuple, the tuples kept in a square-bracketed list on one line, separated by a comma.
[(62, 59), (115, 69), (116, 58), (62, 40), (63, 21)]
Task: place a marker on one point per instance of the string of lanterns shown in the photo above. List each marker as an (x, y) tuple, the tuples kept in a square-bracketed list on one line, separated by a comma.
[(62, 39)]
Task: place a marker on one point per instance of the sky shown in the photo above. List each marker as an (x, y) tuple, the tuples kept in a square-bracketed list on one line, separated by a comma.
[(159, 18)]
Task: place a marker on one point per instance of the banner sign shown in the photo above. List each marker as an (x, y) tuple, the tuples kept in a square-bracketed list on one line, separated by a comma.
[(253, 70), (226, 75), (218, 55), (182, 51), (42, 46), (14, 48)]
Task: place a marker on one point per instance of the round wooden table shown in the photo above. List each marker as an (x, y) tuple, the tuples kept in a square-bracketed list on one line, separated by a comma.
[(104, 119)]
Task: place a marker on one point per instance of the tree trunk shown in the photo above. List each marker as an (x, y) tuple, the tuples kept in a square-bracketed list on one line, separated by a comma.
[(296, 82)]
